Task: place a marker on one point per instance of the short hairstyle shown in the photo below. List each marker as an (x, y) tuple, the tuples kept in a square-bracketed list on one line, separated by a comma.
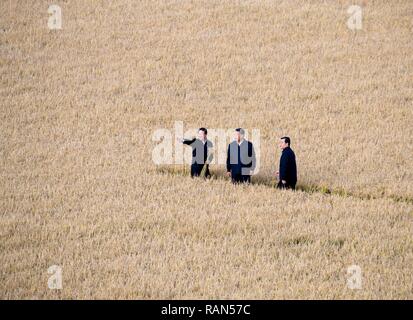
[(286, 140), (240, 130), (203, 129)]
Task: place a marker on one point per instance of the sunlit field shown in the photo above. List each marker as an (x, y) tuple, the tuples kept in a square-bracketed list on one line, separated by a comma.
[(79, 188)]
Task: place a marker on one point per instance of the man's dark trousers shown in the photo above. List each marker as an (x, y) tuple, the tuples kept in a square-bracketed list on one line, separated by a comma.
[(239, 178), (286, 185), (196, 169)]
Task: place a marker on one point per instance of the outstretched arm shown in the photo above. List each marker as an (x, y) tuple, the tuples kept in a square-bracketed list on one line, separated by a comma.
[(188, 141)]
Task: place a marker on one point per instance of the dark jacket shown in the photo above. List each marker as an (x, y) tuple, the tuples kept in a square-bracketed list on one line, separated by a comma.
[(199, 150), (241, 158), (288, 166)]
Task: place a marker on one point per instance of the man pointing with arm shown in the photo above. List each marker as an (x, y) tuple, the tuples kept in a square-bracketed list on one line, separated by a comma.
[(201, 153)]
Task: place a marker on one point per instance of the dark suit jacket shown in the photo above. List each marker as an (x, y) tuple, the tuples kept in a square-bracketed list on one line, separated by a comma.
[(241, 158), (288, 166), (199, 150)]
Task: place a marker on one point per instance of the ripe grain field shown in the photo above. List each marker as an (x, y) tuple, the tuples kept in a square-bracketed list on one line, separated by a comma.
[(79, 189)]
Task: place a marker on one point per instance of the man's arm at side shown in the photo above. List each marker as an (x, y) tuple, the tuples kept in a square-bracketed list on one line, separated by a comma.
[(228, 159), (283, 166), (253, 158)]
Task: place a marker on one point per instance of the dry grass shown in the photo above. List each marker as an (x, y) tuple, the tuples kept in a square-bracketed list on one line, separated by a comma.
[(79, 189)]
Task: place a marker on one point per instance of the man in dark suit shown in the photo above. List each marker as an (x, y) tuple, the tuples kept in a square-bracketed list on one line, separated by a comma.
[(288, 167), (201, 153), (241, 159)]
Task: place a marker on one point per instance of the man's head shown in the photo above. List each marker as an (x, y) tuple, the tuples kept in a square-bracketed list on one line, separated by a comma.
[(284, 142), (239, 134), (202, 134)]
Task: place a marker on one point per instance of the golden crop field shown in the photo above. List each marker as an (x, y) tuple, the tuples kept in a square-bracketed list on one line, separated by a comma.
[(79, 188)]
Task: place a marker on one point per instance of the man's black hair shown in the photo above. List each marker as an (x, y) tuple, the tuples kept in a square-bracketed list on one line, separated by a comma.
[(286, 140), (240, 130), (203, 129)]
